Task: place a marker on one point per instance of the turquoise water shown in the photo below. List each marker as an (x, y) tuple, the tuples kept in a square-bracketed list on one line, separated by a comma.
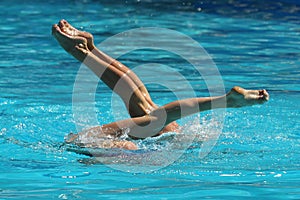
[(254, 45)]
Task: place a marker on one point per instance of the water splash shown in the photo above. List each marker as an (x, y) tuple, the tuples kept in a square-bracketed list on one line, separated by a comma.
[(153, 153)]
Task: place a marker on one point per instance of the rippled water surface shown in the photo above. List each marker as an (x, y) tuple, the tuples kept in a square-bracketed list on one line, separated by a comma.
[(254, 45)]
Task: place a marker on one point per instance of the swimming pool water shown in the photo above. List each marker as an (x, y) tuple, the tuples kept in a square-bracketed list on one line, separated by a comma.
[(254, 45)]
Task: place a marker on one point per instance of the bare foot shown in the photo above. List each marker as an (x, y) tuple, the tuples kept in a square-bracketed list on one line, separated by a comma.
[(73, 44), (239, 97), (70, 30)]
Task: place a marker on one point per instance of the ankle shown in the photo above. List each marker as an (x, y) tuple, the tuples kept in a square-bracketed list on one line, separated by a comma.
[(91, 46)]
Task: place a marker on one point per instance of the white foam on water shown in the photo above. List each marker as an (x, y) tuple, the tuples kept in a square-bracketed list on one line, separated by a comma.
[(153, 153)]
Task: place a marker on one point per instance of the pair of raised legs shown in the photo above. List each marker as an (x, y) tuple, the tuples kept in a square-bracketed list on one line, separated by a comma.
[(147, 119)]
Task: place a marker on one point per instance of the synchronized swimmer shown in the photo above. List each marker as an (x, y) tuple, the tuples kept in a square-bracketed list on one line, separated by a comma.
[(147, 119)]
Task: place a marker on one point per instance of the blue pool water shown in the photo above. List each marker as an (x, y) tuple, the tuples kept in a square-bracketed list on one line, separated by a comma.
[(254, 45)]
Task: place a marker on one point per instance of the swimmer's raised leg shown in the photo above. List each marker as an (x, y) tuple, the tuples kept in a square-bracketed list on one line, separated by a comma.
[(64, 33), (70, 30), (237, 97)]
